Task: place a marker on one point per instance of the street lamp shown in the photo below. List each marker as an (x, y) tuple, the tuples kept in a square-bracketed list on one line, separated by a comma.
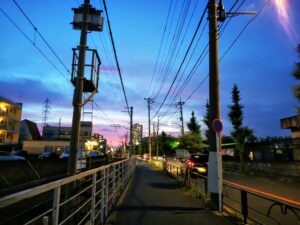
[(94, 19)]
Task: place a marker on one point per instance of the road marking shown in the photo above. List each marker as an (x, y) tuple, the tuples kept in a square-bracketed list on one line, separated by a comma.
[(263, 193)]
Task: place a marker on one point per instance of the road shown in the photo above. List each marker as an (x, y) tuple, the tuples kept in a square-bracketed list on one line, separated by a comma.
[(155, 199), (259, 207)]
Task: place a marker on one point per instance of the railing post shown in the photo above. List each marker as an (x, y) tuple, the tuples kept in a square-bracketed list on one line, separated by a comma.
[(114, 184), (123, 174), (56, 200), (176, 172), (244, 205), (106, 190), (102, 195), (93, 198)]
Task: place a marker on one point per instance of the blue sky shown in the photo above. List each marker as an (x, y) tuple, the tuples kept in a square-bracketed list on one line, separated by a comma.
[(260, 63)]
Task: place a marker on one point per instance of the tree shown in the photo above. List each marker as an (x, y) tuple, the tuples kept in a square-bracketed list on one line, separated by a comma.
[(165, 144), (192, 140), (296, 74), (193, 126), (206, 121), (240, 133)]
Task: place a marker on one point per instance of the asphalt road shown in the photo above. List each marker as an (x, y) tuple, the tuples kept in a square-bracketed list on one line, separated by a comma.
[(259, 207), (154, 199)]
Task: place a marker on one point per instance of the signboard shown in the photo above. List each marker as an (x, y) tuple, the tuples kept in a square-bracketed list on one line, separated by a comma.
[(217, 125)]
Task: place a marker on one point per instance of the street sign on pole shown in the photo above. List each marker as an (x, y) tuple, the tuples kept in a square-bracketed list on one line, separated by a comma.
[(217, 125)]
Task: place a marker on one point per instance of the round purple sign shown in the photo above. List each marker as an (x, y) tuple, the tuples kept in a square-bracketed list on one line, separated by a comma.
[(217, 125)]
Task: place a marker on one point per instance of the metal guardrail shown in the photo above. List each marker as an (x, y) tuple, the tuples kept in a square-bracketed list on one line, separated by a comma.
[(260, 207), (252, 205), (85, 198)]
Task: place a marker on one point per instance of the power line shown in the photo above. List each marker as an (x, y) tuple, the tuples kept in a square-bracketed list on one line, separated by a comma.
[(159, 77), (199, 61), (41, 36), (108, 119), (185, 56), (115, 54), (231, 45), (39, 50), (165, 72), (160, 46)]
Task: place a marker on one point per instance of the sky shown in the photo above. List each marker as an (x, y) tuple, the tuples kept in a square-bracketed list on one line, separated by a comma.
[(151, 39)]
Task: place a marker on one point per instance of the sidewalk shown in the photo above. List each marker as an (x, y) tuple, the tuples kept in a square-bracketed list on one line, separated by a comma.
[(154, 199)]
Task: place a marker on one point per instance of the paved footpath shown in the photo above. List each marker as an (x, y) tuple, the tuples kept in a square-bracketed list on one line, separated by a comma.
[(154, 199)]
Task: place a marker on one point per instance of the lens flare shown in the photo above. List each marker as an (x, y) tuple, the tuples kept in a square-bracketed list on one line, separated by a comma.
[(282, 7)]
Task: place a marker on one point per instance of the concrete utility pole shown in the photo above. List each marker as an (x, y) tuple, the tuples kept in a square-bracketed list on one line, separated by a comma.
[(157, 130), (77, 97), (215, 172), (214, 102), (149, 101), (131, 144), (180, 104)]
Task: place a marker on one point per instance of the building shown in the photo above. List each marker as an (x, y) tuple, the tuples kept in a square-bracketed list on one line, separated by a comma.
[(64, 133), (36, 147), (137, 133), (10, 116), (293, 123), (29, 131)]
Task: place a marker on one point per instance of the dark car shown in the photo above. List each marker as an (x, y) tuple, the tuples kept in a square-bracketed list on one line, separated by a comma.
[(198, 164)]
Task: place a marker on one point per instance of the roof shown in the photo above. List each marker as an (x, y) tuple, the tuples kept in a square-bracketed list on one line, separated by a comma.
[(33, 129), (5, 100), (290, 122)]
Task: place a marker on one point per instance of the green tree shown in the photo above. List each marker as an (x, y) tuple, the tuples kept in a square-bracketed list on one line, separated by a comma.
[(296, 74), (206, 121), (192, 140), (164, 141), (240, 133), (193, 126)]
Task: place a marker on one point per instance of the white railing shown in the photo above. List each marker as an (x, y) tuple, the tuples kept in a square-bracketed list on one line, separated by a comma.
[(85, 198)]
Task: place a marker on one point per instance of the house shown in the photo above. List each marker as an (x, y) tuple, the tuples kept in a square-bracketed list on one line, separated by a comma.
[(293, 123), (29, 131), (10, 116)]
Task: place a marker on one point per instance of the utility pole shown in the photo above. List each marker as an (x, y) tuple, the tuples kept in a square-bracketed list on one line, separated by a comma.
[(77, 97), (131, 143), (84, 24), (180, 104), (149, 101), (214, 101), (157, 130), (215, 171)]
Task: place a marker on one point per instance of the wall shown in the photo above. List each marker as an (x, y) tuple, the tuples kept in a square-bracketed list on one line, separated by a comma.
[(37, 147)]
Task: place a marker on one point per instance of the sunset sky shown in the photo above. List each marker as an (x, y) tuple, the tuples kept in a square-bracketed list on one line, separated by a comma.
[(260, 62)]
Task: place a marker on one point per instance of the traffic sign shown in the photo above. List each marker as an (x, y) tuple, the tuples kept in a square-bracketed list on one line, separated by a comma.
[(217, 125)]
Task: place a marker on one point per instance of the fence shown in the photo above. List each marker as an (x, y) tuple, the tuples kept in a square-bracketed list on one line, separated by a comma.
[(247, 203), (85, 198)]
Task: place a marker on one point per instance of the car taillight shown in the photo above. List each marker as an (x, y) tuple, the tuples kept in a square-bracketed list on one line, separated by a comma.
[(191, 163)]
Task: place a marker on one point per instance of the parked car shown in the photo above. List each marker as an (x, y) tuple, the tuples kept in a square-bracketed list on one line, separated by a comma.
[(94, 153), (21, 153), (66, 154), (48, 154), (198, 164), (146, 157), (8, 156)]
